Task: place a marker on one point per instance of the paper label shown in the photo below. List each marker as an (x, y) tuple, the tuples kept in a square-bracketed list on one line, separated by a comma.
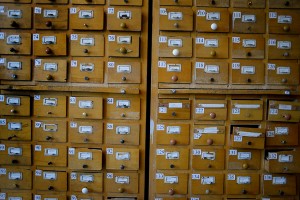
[(267, 177), (160, 127), (195, 176), (279, 180), (171, 179), (160, 152), (2, 122), (244, 155), (162, 109), (233, 152), (272, 156), (231, 177), (163, 11), (273, 111), (109, 126), (196, 152), (175, 105)]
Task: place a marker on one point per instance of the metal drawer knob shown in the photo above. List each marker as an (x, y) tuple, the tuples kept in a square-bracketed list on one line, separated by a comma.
[(86, 78), (85, 25), (286, 28), (49, 77), (126, 1), (249, 143), (171, 192), (213, 2), (13, 50), (173, 142), (48, 50), (124, 78), (248, 80), (86, 140), (173, 114), (286, 54), (209, 166), (123, 115), (122, 141), (284, 80), (84, 114), (214, 26), (249, 54), (176, 25), (281, 193), (50, 188), (17, 186), (244, 191), (48, 24), (123, 25), (176, 1), (287, 3), (175, 52), (84, 166), (123, 50), (14, 24), (250, 3), (213, 115), (287, 116), (207, 191), (85, 51), (174, 78), (14, 76), (121, 190), (213, 53), (172, 166), (13, 111), (245, 166), (84, 190), (283, 142), (209, 141), (48, 138), (50, 163), (14, 161), (11, 137), (122, 167)]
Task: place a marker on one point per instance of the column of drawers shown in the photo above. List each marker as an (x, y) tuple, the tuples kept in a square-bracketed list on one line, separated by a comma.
[(220, 69), (75, 119)]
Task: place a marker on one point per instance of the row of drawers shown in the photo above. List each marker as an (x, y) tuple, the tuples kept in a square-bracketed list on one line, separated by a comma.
[(57, 181), (57, 155), (121, 107), (91, 2)]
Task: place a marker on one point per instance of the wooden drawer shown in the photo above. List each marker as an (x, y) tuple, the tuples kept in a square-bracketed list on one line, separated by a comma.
[(15, 129), (54, 155), (213, 3), (50, 130), (207, 183), (285, 111), (242, 159), (15, 105), (50, 106), (123, 71), (242, 183), (15, 154), (249, 3), (50, 70), (175, 47), (86, 107), (55, 181), (122, 159), (86, 182), (87, 45), (125, 45), (91, 2), (212, 135), (284, 21), (172, 134), (211, 46), (174, 71), (282, 134), (85, 158), (248, 21), (15, 68), (50, 17), (86, 18), (124, 19), (122, 183), (15, 43), (86, 70), (16, 194), (283, 47), (208, 158), (16, 16), (16, 178), (176, 19), (174, 109), (212, 20), (51, 2), (49, 44), (20, 1), (250, 138), (122, 133), (172, 158), (246, 110), (176, 3), (171, 183), (279, 184), (86, 131), (282, 72), (284, 4), (210, 109)]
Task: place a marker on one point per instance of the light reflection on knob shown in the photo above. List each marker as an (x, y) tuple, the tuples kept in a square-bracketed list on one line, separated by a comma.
[(214, 26), (85, 190), (175, 52)]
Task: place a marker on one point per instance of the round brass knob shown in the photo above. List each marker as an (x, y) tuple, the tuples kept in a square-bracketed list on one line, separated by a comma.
[(50, 188), (173, 142), (16, 186), (13, 111), (286, 54), (49, 77), (14, 24), (209, 166), (207, 191), (174, 78), (244, 191), (287, 3), (48, 138), (176, 25), (172, 166), (283, 142), (123, 25), (86, 78), (123, 115), (249, 143), (121, 190), (122, 141), (284, 80), (213, 53), (14, 161), (123, 50), (48, 50), (13, 50), (84, 166), (281, 193), (175, 52), (122, 167), (212, 80), (48, 24), (250, 3), (84, 114), (213, 2), (287, 116), (171, 192), (212, 115), (14, 76), (84, 190), (86, 25), (248, 80), (85, 51), (286, 28), (173, 114), (50, 163), (249, 54), (245, 166), (124, 78), (209, 141)]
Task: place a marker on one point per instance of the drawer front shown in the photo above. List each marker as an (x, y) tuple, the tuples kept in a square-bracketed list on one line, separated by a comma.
[(50, 130), (125, 3), (171, 183), (249, 3), (122, 159), (209, 135), (49, 44), (18, 194), (282, 134), (176, 19), (242, 183), (15, 68), (15, 105), (211, 72), (241, 159), (53, 2), (15, 154), (207, 183), (124, 45), (54, 181), (123, 71), (284, 111), (212, 20), (251, 138), (15, 43), (45, 195), (246, 110), (123, 107), (174, 109), (16, 179), (248, 21), (87, 45), (215, 3), (283, 47), (86, 18), (122, 133), (86, 132), (50, 70), (283, 161), (208, 159), (80, 181), (49, 106), (122, 183), (85, 158), (176, 3), (282, 72), (248, 46), (284, 21), (208, 46), (86, 70), (16, 16), (53, 155), (86, 107), (124, 19), (172, 134), (13, 1), (279, 184), (210, 109), (91, 2), (51, 17), (172, 158), (174, 71), (284, 4), (175, 47), (15, 129)]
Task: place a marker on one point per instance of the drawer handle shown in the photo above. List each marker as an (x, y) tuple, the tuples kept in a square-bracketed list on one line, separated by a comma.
[(121, 190), (50, 163), (249, 80), (213, 2), (14, 76), (214, 26), (126, 1), (173, 142), (207, 191), (174, 78), (245, 166), (11, 137), (50, 188), (287, 3), (84, 114), (17, 186), (249, 143), (13, 111), (249, 54), (285, 169), (86, 25), (212, 80), (281, 193), (49, 77), (84, 166), (122, 141), (14, 161), (48, 50), (124, 78), (209, 141), (14, 24), (123, 25), (175, 52), (176, 25), (124, 51), (49, 113), (171, 192), (250, 3), (286, 28), (174, 114), (287, 116), (284, 80), (213, 53), (283, 142), (176, 1), (209, 166), (123, 115), (286, 54), (84, 190), (48, 24), (172, 166), (122, 167), (86, 78), (213, 115), (13, 50), (49, 138), (244, 191), (85, 51), (85, 140)]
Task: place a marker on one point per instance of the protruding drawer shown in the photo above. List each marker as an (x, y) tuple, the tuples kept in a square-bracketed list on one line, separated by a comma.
[(15, 154), (55, 181), (53, 155), (282, 134), (172, 158), (86, 182), (207, 183), (210, 109), (175, 47), (87, 45), (212, 135), (86, 17), (15, 68), (212, 20), (250, 138), (284, 21), (15, 16), (172, 134), (85, 158), (174, 109), (50, 130), (242, 183), (14, 43), (86, 107), (122, 159), (50, 70), (50, 106), (246, 110), (208, 159), (122, 133), (16, 178), (124, 45), (50, 17), (15, 105), (124, 19), (174, 71), (171, 183), (285, 111), (244, 159), (248, 21), (49, 44), (176, 18), (86, 131), (122, 183), (279, 184), (282, 72), (124, 71), (211, 46), (283, 47), (15, 129)]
